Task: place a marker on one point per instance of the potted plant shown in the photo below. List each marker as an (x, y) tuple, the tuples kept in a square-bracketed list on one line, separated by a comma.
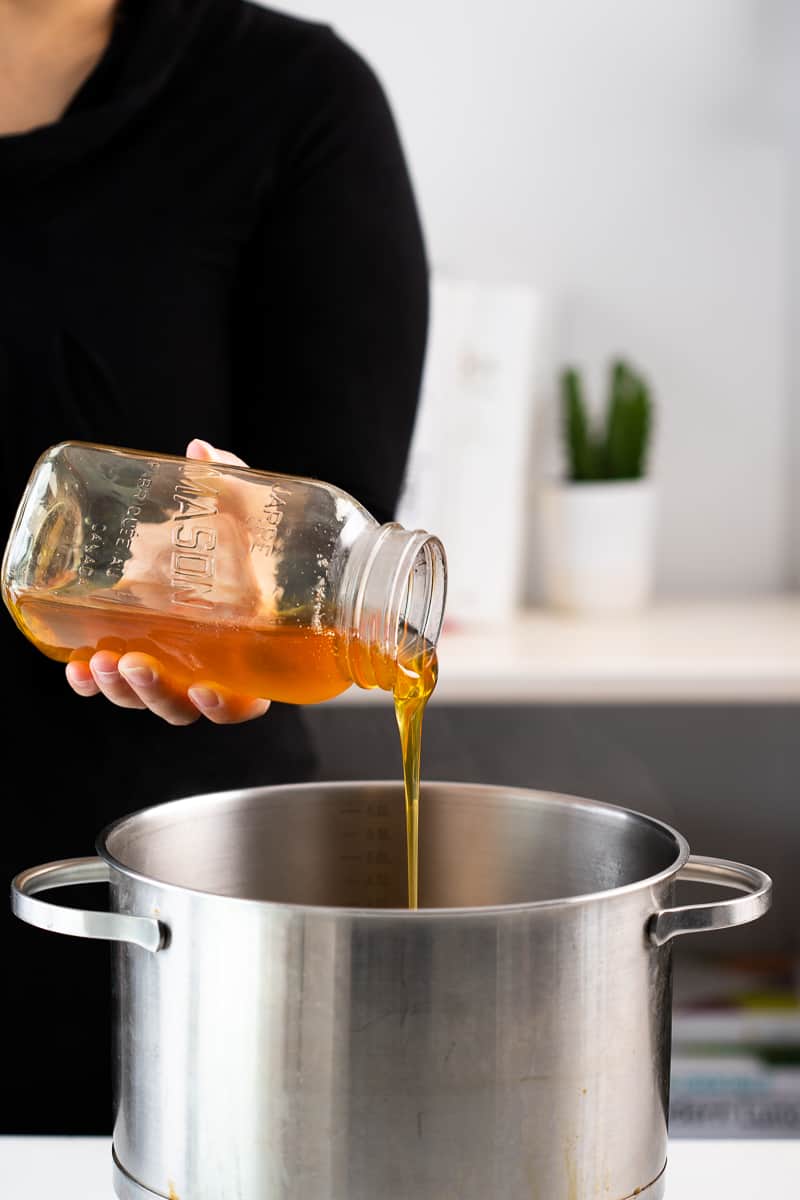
[(598, 525)]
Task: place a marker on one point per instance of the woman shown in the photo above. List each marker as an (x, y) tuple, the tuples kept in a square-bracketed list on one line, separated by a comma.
[(206, 226)]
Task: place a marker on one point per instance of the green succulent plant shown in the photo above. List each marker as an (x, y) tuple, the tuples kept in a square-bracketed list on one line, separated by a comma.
[(617, 447)]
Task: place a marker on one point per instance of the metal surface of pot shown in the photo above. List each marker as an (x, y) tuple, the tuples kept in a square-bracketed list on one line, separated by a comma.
[(285, 1030)]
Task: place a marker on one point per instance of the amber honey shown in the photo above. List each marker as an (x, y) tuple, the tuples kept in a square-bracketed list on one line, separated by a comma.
[(290, 663), (283, 662)]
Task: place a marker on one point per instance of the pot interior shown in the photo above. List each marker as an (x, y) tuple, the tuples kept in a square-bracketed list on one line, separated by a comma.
[(344, 845)]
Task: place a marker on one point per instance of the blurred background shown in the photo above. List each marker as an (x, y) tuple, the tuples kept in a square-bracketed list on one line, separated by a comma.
[(602, 184), (633, 167)]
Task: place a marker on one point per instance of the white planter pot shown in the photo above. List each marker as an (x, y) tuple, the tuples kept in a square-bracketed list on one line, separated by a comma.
[(597, 545)]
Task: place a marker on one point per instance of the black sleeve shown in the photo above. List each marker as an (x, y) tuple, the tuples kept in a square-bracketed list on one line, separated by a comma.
[(335, 310)]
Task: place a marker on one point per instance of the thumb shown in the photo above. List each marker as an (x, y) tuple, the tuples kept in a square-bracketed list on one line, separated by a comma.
[(197, 448)]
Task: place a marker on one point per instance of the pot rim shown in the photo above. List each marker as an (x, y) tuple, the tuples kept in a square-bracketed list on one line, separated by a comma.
[(310, 910)]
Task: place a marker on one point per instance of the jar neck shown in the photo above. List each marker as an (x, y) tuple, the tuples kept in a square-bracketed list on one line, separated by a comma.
[(393, 591)]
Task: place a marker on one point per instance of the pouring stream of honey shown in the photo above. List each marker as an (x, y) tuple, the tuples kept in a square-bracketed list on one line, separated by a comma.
[(415, 679)]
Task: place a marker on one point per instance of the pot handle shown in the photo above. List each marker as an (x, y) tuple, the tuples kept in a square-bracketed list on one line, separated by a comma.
[(108, 926), (722, 914)]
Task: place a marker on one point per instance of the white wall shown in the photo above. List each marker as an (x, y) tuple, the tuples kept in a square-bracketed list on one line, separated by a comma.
[(794, 355), (791, 111), (629, 158)]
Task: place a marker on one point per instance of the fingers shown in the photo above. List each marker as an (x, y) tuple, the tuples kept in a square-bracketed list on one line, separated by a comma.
[(145, 678), (80, 679), (197, 448), (138, 681), (132, 681), (104, 668), (224, 707)]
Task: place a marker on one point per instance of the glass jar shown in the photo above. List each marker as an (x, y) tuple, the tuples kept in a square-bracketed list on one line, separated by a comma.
[(270, 585)]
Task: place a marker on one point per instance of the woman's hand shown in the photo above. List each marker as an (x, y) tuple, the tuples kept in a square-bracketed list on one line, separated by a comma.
[(137, 680)]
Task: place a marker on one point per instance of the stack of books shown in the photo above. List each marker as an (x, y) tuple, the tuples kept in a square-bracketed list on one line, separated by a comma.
[(736, 1049)]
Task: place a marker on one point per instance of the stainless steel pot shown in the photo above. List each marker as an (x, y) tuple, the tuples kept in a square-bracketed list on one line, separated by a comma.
[(285, 1031)]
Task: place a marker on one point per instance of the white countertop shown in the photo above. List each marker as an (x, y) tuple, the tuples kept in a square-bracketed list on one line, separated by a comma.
[(730, 652), (80, 1169)]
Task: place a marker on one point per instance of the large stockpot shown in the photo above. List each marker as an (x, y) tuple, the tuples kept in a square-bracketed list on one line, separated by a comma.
[(286, 1031)]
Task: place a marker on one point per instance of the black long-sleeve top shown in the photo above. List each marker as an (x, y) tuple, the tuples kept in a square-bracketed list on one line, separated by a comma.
[(218, 239)]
